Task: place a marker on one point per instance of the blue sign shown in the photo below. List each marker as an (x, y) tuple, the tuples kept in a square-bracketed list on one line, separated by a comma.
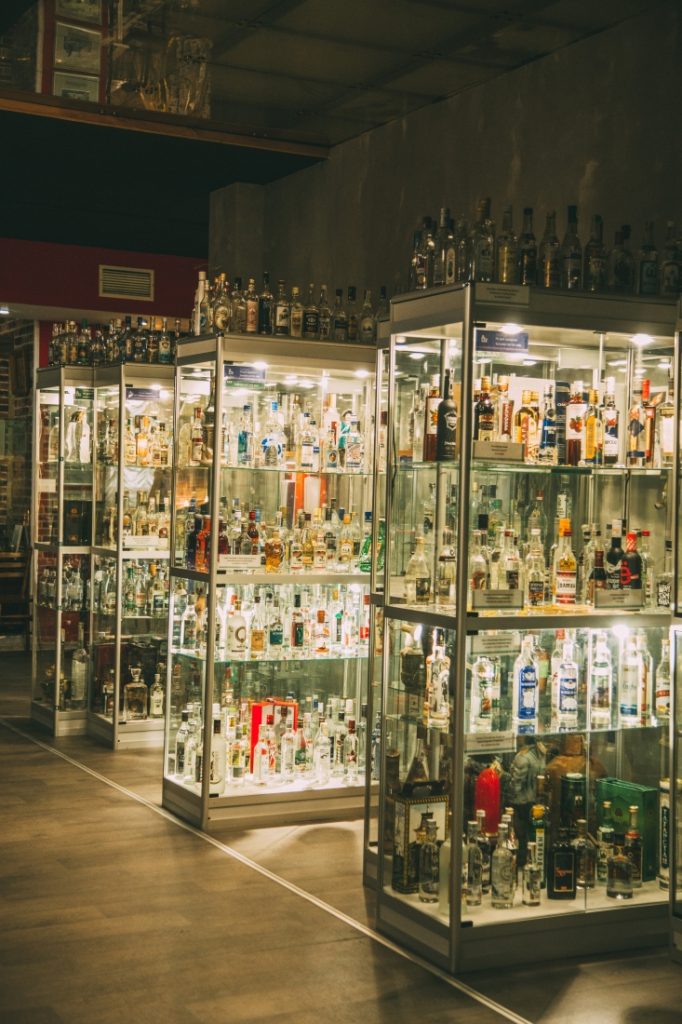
[(500, 341)]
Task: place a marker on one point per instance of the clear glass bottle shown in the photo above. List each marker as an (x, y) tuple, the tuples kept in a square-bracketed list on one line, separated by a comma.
[(418, 575), (528, 250), (571, 253), (595, 269), (549, 259), (646, 263), (474, 867), (605, 841), (565, 712), (532, 878), (525, 690), (482, 245), (670, 264), (632, 847), (502, 871), (619, 875), (507, 251), (429, 868), (585, 857), (600, 683)]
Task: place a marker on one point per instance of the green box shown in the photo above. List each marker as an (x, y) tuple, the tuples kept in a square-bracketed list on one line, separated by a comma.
[(624, 795)]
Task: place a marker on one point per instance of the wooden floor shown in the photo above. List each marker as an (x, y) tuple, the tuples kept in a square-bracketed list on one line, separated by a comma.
[(111, 913)]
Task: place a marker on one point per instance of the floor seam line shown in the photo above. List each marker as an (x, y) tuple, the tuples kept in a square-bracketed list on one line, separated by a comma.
[(241, 858)]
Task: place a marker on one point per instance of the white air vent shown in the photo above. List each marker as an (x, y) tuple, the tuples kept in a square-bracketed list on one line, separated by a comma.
[(126, 283)]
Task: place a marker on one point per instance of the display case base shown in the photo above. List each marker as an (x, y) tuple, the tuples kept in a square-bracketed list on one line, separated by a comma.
[(147, 734), (59, 723), (253, 808), (526, 934)]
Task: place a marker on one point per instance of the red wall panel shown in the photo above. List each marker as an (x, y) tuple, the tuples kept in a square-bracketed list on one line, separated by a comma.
[(49, 274)]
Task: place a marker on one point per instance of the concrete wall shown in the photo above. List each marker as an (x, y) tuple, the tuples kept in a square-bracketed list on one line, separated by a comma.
[(598, 123)]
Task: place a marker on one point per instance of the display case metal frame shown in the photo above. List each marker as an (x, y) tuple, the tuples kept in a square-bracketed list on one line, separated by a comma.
[(58, 722), (454, 312), (270, 807), (675, 791), (117, 732)]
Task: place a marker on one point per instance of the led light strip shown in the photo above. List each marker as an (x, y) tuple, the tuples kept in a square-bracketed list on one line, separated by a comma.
[(414, 958)]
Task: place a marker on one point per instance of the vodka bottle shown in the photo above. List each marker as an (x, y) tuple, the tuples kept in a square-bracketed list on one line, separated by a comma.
[(610, 425), (429, 867), (534, 572), (631, 682), (646, 263), (594, 272), (502, 871), (321, 755), (670, 264), (565, 712), (181, 738), (549, 260), (474, 867), (218, 766), (532, 878), (482, 245), (585, 857), (528, 250), (600, 683), (662, 684), (571, 253), (525, 690)]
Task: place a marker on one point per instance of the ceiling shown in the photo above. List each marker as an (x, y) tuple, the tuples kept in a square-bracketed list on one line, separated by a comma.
[(270, 85)]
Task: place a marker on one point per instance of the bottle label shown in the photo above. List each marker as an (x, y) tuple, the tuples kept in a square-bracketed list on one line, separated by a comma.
[(663, 593), (667, 436), (563, 871), (282, 318), (568, 694), (565, 586), (536, 592), (648, 277), (575, 421), (432, 404), (311, 323)]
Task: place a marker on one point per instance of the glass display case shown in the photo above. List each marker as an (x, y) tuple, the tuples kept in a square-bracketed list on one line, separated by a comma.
[(133, 446), (526, 673), (62, 530), (266, 709)]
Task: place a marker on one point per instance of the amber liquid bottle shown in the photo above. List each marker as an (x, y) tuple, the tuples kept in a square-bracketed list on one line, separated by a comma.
[(431, 421)]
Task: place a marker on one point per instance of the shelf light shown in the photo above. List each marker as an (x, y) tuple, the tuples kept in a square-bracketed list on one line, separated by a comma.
[(4, 310), (510, 329), (307, 384), (529, 362), (362, 373), (291, 379), (260, 365), (419, 354), (641, 340)]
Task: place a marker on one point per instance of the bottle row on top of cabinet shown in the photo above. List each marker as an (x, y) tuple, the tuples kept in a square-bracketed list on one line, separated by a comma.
[(330, 539), (452, 251), (151, 341), (224, 308), (272, 743)]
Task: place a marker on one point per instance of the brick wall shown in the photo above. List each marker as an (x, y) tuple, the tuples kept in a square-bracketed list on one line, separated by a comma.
[(16, 416)]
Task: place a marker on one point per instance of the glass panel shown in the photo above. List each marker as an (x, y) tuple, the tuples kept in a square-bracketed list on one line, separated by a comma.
[(566, 731), (295, 486), (144, 638), (78, 450), (148, 444), (674, 845), (106, 464), (290, 674), (194, 454), (186, 684), (572, 449), (417, 764), (424, 471), (45, 628), (47, 448), (104, 609), (67, 660)]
